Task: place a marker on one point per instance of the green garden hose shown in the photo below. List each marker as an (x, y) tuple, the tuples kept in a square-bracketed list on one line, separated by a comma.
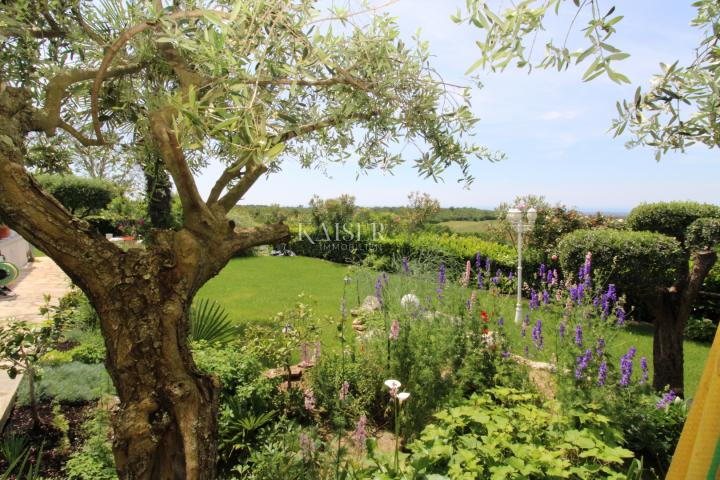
[(8, 273)]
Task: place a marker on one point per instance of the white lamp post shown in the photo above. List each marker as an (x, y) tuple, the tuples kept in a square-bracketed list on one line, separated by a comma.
[(515, 217)]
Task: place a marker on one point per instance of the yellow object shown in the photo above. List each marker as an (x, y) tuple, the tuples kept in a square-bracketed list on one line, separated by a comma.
[(698, 445)]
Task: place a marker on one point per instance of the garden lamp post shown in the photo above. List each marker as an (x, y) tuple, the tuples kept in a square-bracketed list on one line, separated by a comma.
[(515, 217)]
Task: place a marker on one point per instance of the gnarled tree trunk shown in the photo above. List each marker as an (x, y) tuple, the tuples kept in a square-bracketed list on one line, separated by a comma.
[(671, 310), (166, 423)]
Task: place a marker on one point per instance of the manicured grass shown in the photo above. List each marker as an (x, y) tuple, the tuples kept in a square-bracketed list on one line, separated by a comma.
[(466, 226), (255, 289)]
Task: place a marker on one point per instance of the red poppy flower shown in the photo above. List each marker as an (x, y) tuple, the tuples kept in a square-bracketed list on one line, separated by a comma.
[(484, 316), (485, 331)]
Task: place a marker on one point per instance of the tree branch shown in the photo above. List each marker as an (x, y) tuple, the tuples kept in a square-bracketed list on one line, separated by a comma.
[(96, 37), (76, 246), (48, 119), (231, 172), (263, 235), (125, 37), (171, 152), (703, 261), (251, 175), (313, 127)]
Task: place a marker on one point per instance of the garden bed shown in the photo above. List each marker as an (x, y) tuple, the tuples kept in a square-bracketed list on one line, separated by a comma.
[(46, 436)]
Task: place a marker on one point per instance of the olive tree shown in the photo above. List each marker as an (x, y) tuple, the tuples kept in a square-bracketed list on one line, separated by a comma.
[(661, 263), (677, 111), (249, 83)]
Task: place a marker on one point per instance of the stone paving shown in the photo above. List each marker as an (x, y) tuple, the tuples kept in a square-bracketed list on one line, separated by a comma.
[(36, 279)]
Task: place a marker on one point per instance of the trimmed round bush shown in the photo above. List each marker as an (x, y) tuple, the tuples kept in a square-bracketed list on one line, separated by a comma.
[(80, 195), (670, 218), (703, 234), (636, 262)]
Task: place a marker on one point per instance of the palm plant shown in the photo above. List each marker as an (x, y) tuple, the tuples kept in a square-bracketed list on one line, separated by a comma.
[(209, 322)]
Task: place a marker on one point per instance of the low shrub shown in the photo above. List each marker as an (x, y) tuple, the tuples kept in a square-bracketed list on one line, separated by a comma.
[(233, 364), (700, 330), (91, 352), (55, 358), (69, 383), (93, 460)]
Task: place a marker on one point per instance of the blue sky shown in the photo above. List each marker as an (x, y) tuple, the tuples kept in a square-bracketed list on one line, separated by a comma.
[(552, 126)]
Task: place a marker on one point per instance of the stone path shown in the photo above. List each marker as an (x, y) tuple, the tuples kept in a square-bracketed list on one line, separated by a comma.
[(38, 278)]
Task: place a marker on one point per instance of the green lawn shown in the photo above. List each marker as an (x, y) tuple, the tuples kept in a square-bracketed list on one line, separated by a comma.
[(467, 226), (254, 289)]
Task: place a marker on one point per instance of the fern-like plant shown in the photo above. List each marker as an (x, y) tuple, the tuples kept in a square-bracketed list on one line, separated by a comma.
[(209, 322)]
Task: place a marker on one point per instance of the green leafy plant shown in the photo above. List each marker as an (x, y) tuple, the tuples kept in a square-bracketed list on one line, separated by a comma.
[(13, 446), (21, 346), (26, 466), (508, 433), (61, 424), (209, 322), (93, 460)]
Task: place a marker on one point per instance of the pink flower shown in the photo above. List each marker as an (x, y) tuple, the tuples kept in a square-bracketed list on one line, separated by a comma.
[(307, 446), (309, 400), (360, 435), (344, 390), (395, 330), (466, 277)]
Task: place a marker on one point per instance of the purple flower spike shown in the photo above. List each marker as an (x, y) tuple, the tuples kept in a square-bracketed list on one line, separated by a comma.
[(582, 363), (602, 374), (537, 335), (667, 399), (620, 314), (626, 367), (441, 274), (562, 329), (534, 303), (578, 336), (644, 368)]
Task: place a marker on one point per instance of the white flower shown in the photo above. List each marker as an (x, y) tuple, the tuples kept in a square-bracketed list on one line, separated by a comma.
[(409, 301), (489, 338), (392, 384), (402, 396)]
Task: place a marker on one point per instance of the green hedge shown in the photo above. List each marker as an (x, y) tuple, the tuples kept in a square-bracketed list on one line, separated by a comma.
[(669, 218), (451, 249), (81, 196), (636, 262)]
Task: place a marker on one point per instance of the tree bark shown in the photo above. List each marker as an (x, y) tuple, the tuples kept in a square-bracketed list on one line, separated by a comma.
[(671, 310), (165, 427), (668, 354)]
